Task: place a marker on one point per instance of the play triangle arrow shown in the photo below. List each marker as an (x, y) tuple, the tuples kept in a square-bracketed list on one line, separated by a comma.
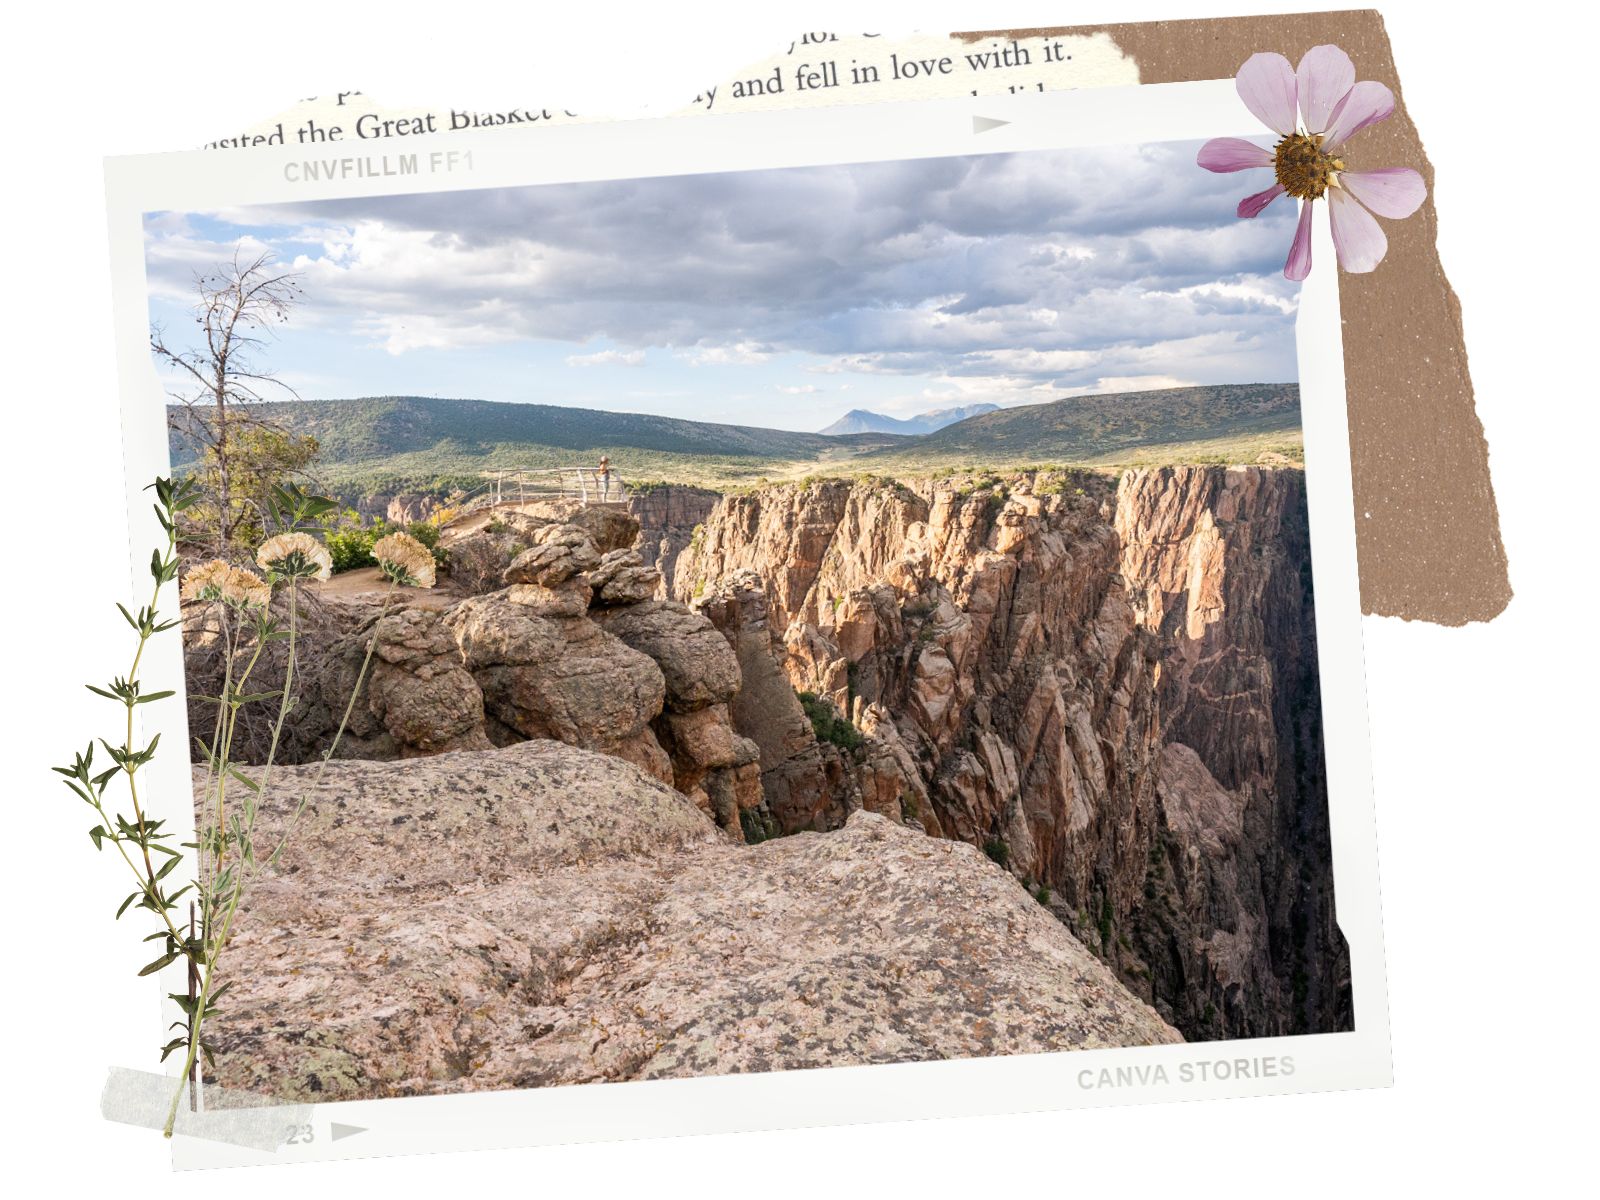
[(344, 1131), (984, 124)]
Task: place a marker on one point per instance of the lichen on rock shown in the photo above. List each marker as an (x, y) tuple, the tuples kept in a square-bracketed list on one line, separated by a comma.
[(542, 915)]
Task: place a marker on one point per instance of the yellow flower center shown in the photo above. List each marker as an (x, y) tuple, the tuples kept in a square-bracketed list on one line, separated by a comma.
[(1303, 167)]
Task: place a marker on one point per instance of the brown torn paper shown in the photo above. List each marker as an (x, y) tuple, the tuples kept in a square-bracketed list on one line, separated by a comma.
[(1427, 528)]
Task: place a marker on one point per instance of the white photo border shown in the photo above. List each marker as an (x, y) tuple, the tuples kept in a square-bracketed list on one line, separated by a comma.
[(752, 141)]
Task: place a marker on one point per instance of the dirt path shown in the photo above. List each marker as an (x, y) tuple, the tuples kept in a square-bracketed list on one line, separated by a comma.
[(368, 585)]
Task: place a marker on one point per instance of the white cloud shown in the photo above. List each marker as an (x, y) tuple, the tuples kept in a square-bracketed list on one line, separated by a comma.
[(607, 358), (1130, 383), (733, 354), (1015, 274)]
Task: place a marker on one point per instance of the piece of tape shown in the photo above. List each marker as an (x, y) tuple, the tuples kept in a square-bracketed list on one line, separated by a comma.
[(224, 1115)]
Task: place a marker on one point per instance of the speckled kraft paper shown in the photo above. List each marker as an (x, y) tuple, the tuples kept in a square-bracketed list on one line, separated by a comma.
[(1428, 532)]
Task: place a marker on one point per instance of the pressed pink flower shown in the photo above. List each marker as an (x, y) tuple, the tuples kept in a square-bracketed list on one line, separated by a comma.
[(1308, 160)]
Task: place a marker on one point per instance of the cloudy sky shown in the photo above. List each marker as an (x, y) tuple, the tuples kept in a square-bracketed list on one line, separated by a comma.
[(778, 298)]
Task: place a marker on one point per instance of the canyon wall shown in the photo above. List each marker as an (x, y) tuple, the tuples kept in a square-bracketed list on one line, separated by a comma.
[(668, 514), (1110, 686)]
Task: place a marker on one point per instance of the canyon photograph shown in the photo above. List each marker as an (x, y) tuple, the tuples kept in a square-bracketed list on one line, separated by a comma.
[(748, 622)]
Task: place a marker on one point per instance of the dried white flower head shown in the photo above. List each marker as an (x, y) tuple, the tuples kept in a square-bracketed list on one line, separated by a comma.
[(296, 555), (404, 560), (218, 580), (205, 581)]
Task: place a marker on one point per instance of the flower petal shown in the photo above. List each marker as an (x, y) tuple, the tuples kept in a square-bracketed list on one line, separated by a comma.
[(1393, 192), (1325, 76), (1299, 264), (1367, 104), (1232, 154), (1266, 85), (1251, 206), (1357, 236)]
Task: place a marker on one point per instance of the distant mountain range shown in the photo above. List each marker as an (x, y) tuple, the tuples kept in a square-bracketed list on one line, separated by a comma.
[(860, 420), (1188, 424), (411, 443)]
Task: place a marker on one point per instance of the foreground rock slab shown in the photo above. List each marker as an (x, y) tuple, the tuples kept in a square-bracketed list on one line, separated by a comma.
[(541, 915)]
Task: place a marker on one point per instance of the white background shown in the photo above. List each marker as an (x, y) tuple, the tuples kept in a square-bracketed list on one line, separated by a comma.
[(1485, 790)]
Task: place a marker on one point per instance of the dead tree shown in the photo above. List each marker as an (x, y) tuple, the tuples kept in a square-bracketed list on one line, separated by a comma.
[(238, 306)]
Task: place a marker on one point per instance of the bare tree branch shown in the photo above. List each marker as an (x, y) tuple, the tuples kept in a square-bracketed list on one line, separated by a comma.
[(238, 307)]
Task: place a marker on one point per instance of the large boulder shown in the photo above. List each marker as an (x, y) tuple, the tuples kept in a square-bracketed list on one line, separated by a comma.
[(541, 915), (698, 666), (419, 690), (623, 578), (558, 553), (561, 678)]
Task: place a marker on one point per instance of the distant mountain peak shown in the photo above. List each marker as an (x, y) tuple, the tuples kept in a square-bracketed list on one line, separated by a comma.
[(863, 420)]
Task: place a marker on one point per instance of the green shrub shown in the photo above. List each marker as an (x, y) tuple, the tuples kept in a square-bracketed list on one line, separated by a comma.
[(350, 547), (997, 849), (350, 542), (757, 826), (829, 725)]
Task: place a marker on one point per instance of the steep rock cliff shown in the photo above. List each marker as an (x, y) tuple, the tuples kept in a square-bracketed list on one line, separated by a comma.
[(1111, 689), (668, 514), (1218, 563)]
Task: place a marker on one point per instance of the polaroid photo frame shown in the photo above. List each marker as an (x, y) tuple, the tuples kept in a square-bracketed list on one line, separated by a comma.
[(1357, 1057)]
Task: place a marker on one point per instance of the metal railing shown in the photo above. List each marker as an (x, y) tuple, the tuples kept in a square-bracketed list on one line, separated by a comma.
[(587, 485)]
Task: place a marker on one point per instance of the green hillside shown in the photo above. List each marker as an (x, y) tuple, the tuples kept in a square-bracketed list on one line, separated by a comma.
[(409, 443), (1232, 422), (413, 442)]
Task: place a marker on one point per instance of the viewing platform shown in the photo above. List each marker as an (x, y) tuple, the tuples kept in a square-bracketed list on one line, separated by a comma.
[(586, 485)]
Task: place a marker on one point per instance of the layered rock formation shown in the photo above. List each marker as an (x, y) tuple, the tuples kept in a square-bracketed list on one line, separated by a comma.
[(542, 915), (1109, 687)]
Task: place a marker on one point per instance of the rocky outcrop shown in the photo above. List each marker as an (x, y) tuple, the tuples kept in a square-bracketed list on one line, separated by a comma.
[(1111, 689), (622, 578), (569, 644), (481, 553), (419, 690), (668, 514), (713, 765), (805, 783), (541, 915), (546, 675)]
